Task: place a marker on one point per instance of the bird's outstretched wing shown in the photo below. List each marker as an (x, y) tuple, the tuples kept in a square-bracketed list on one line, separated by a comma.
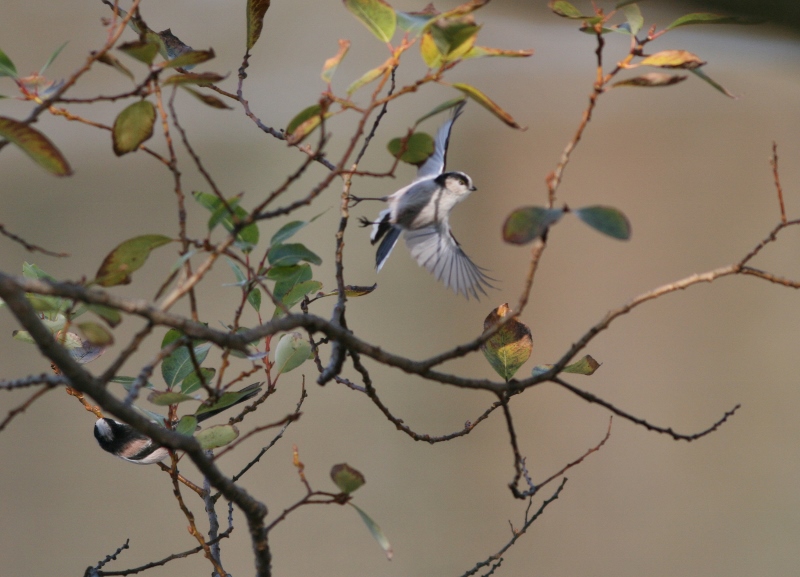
[(435, 248), (434, 165)]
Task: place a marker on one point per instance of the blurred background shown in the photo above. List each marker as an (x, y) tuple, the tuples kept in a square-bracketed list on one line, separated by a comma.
[(688, 166)]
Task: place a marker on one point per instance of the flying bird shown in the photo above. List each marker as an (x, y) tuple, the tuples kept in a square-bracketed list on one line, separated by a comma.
[(421, 213)]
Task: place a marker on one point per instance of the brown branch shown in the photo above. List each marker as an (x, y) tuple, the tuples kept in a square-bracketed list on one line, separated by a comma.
[(28, 246), (22, 408)]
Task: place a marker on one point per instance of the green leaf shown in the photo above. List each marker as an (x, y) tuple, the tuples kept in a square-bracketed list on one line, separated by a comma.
[(376, 15), (296, 293), (585, 366), (351, 291), (247, 237), (287, 231), (292, 274), (254, 298), (187, 425), (176, 366), (455, 39), (256, 9), (133, 126), (228, 399), (165, 398), (565, 9), (530, 222), (452, 103), (7, 67), (347, 478), (651, 80), (292, 351), (414, 22), (607, 220), (108, 314), (484, 51), (510, 347), (53, 56), (200, 79), (290, 254), (304, 123), (682, 59), (708, 18), (128, 257), (192, 381), (368, 77), (216, 436), (190, 58), (332, 63), (141, 51), (488, 104), (414, 149), (30, 270), (96, 334), (375, 531), (127, 382), (241, 279), (702, 75), (36, 145), (634, 18)]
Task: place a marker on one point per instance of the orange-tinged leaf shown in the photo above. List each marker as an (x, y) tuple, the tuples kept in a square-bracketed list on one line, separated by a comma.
[(127, 258), (510, 347), (346, 477), (333, 62), (488, 104), (201, 79), (369, 76), (376, 15), (133, 126), (207, 99), (256, 10), (36, 145), (673, 59), (465, 8)]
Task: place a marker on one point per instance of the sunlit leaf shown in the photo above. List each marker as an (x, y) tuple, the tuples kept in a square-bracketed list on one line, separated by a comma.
[(530, 222), (708, 18), (369, 76), (375, 531), (634, 18), (292, 351), (607, 220), (332, 63), (673, 59), (585, 366), (453, 39), (414, 149), (651, 80), (565, 9), (510, 347), (165, 398), (141, 51), (702, 75), (484, 51), (216, 436), (488, 104), (7, 67), (127, 258), (133, 126), (190, 58), (347, 478), (207, 99), (429, 51), (256, 9), (36, 145), (376, 15)]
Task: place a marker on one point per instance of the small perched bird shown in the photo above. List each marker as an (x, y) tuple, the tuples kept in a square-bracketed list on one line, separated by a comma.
[(127, 443), (421, 211)]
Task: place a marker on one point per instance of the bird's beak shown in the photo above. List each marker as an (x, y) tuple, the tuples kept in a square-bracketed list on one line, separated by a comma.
[(473, 189)]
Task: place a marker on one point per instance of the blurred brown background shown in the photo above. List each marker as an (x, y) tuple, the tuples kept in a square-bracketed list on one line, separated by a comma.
[(688, 166)]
